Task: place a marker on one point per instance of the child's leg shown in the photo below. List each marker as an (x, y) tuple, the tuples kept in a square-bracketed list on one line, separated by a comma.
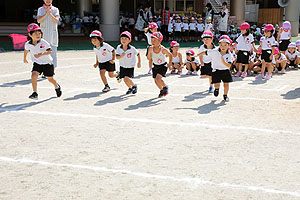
[(226, 88), (34, 77), (112, 74), (210, 80), (217, 85), (188, 66), (263, 67), (194, 66), (53, 81), (283, 64), (159, 82), (246, 67), (239, 66), (128, 82), (103, 77), (270, 68)]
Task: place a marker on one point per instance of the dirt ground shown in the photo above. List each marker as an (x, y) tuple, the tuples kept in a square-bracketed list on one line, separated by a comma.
[(188, 145)]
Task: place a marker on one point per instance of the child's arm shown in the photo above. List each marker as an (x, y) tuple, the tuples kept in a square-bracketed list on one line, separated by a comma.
[(254, 48), (278, 36), (180, 59), (271, 56), (25, 56), (43, 54), (97, 63), (167, 52), (139, 61), (120, 56), (112, 61), (225, 63), (149, 56), (145, 30), (201, 54)]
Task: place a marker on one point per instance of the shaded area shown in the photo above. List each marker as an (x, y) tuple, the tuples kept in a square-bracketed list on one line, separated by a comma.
[(145, 104), (195, 96), (206, 108), (293, 94), (113, 99), (84, 96), (22, 82)]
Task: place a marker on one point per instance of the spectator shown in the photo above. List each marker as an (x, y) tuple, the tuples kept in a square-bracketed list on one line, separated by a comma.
[(209, 13), (223, 22), (165, 17)]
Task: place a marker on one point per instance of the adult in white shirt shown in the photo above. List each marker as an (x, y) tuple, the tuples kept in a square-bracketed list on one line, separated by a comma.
[(223, 21)]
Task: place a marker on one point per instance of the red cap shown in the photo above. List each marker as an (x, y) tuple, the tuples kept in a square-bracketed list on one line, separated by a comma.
[(245, 26), (96, 33), (174, 44), (208, 34), (190, 51), (33, 27), (158, 35)]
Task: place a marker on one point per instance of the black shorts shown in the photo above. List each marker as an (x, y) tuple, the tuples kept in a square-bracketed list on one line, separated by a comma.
[(292, 63), (221, 75), (185, 33), (171, 34), (206, 69), (47, 69), (283, 45), (177, 34), (107, 66), (200, 33), (197, 67), (243, 57), (159, 69), (129, 72), (266, 55), (192, 33)]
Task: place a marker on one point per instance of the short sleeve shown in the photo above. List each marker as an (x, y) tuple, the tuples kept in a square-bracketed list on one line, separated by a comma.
[(230, 58), (118, 51), (109, 48), (27, 46), (201, 49), (47, 45), (56, 12), (136, 52), (238, 39), (39, 13), (211, 53)]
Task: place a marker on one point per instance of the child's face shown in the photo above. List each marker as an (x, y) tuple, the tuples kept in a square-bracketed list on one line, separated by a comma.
[(243, 31), (224, 6), (36, 35), (153, 30), (292, 50), (48, 2), (175, 49), (207, 41), (277, 56), (188, 56), (95, 42), (125, 41), (208, 21), (155, 42), (267, 33), (223, 46), (178, 20)]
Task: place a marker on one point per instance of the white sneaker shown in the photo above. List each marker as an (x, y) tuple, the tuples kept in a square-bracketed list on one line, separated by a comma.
[(189, 73), (194, 73), (283, 71)]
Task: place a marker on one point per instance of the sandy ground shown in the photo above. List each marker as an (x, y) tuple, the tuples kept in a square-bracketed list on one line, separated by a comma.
[(188, 145)]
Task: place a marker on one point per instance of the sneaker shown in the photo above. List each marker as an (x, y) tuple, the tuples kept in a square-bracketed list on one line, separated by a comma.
[(283, 71), (173, 71), (134, 89), (179, 72), (275, 70), (259, 76), (118, 77), (238, 74), (211, 89), (268, 76), (165, 91), (250, 73), (150, 70), (296, 67), (194, 73), (129, 91), (216, 92), (189, 73), (58, 91), (161, 94), (106, 89), (34, 95), (226, 98), (244, 75)]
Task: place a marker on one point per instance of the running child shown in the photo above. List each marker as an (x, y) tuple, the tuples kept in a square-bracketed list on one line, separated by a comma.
[(244, 43), (292, 55), (267, 45), (192, 64), (152, 28), (157, 55), (40, 51), (284, 37), (105, 58), (177, 63), (205, 61), (221, 62), (126, 54)]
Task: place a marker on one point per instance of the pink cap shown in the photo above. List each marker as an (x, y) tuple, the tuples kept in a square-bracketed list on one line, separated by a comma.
[(158, 35), (286, 25), (276, 51), (174, 44), (153, 25), (33, 27), (260, 51), (298, 43), (96, 33), (225, 38), (126, 33), (245, 26), (190, 51), (292, 45), (192, 18), (208, 34), (269, 27)]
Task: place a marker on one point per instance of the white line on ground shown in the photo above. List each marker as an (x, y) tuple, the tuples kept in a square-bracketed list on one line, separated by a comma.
[(195, 182)]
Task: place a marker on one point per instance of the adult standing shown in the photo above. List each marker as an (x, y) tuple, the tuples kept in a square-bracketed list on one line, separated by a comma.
[(140, 23), (165, 17), (48, 17), (223, 21), (209, 13)]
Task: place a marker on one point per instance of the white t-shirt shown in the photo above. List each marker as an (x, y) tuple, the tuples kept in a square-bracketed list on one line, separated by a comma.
[(223, 21), (200, 27), (208, 27), (170, 27), (104, 52), (148, 35), (206, 59), (131, 21), (129, 60), (178, 26), (185, 26), (267, 42), (281, 57), (291, 55), (158, 58), (197, 61), (192, 26), (245, 42), (216, 61), (285, 35), (41, 47), (86, 19)]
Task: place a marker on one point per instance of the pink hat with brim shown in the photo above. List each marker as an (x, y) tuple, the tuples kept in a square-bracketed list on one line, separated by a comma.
[(225, 38), (276, 51), (207, 34), (126, 34), (33, 27), (190, 51), (269, 27), (96, 34), (153, 25), (158, 35), (245, 26), (174, 44)]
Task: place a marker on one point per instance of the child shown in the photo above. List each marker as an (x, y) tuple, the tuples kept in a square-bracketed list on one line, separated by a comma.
[(221, 62), (178, 28), (192, 28), (126, 54), (105, 58), (152, 28), (284, 36), (280, 61), (291, 55), (185, 28), (206, 70), (200, 27), (157, 55), (267, 45), (208, 26), (192, 64), (244, 44), (171, 28), (298, 50), (177, 58), (40, 51)]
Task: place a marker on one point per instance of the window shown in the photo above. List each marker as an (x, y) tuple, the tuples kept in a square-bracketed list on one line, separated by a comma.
[(174, 5), (179, 5)]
